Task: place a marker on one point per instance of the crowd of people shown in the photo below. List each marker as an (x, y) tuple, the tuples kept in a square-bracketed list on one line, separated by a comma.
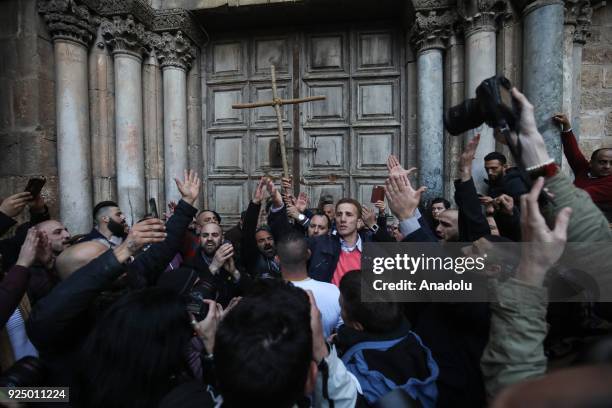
[(181, 313)]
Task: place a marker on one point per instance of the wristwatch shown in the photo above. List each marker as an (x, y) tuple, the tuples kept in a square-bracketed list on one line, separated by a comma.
[(374, 228)]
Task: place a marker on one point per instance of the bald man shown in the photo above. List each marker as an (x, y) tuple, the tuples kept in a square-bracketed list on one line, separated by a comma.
[(57, 233), (77, 256)]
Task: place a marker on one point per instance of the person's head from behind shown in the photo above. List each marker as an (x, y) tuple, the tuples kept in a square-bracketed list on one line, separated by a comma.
[(263, 348), (109, 218), (265, 241), (371, 317), (320, 224), (293, 254), (438, 205), (495, 165), (348, 214), (56, 233), (211, 238), (135, 350), (448, 226), (601, 162)]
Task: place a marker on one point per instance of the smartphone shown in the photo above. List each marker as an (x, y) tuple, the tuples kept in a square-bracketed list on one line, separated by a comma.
[(153, 207), (35, 184), (378, 194)]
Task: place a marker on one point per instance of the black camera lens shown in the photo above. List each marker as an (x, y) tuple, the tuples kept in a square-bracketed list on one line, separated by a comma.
[(463, 117)]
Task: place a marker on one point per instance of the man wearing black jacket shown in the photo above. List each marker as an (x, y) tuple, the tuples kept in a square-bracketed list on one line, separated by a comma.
[(61, 321), (258, 243)]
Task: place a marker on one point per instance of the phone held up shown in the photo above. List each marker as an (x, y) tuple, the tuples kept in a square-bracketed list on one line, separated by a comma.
[(35, 185)]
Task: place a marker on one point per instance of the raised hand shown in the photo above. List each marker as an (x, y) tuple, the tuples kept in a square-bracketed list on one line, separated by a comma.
[(395, 168), (302, 202), (467, 157), (277, 198), (368, 216), (534, 151), (402, 197), (13, 205), (44, 253), (292, 211), (149, 231), (541, 247), (562, 120), (381, 206), (258, 194), (189, 187), (27, 254), (224, 252)]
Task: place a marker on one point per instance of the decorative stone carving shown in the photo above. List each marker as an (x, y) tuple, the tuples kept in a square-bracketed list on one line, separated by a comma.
[(433, 4), (432, 28), (483, 14), (178, 20), (579, 13), (125, 35), (174, 50), (138, 9), (68, 20)]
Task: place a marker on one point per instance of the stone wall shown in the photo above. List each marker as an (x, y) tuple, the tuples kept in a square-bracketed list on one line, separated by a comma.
[(596, 105), (27, 110)]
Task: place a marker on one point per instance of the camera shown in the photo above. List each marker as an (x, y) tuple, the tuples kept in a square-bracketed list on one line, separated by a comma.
[(493, 105), (195, 300)]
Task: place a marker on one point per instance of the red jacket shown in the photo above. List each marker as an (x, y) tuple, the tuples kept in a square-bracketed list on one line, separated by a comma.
[(599, 188)]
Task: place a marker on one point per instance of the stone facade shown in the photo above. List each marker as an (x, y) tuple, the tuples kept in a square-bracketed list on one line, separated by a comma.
[(596, 105), (27, 104), (162, 45)]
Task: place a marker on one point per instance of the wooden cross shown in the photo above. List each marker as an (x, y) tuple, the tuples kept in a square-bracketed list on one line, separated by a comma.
[(276, 102)]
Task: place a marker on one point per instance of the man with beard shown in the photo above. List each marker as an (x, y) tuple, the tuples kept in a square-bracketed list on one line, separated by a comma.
[(215, 264), (258, 248), (111, 227), (502, 179)]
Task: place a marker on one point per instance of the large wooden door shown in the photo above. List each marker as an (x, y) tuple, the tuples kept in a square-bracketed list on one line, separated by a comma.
[(339, 146)]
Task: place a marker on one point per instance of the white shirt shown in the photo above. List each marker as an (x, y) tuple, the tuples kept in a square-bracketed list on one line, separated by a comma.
[(18, 337), (327, 297)]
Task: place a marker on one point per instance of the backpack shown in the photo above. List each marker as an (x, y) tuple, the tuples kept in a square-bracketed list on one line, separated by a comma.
[(375, 385)]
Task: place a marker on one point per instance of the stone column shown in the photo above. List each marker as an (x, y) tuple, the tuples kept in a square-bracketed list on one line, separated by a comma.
[(72, 29), (153, 110), (480, 59), (102, 117), (543, 66), (429, 37), (126, 38), (175, 54), (581, 13), (456, 94), (194, 120)]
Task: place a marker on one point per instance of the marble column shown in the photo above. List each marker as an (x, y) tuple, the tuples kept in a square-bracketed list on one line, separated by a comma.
[(429, 40), (194, 120), (72, 29), (102, 118), (543, 66), (175, 54), (153, 110), (480, 52), (126, 38), (583, 13), (456, 86)]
